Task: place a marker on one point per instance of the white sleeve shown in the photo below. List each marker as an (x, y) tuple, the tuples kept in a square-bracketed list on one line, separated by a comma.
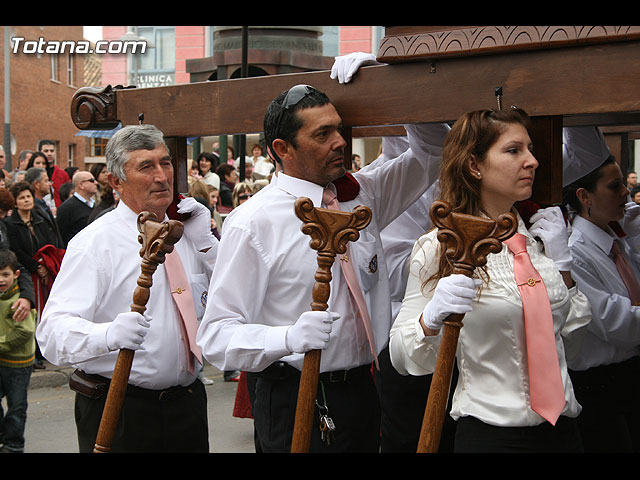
[(227, 337), (395, 185), (413, 353)]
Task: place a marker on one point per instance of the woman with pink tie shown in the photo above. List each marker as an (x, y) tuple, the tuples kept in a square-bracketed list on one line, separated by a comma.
[(487, 168)]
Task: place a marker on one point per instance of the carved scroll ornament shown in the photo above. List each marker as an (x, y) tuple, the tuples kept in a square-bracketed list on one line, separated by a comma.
[(330, 232), (157, 240), (95, 108)]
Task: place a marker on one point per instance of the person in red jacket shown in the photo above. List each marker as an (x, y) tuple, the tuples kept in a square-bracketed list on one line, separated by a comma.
[(57, 175)]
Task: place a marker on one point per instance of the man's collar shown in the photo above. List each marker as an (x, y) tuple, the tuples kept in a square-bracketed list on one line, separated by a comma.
[(602, 239), (89, 202), (301, 188)]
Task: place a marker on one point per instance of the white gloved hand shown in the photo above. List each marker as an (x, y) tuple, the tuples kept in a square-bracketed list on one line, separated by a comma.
[(198, 226), (453, 294), (345, 66), (311, 331), (548, 224), (631, 220), (127, 331)]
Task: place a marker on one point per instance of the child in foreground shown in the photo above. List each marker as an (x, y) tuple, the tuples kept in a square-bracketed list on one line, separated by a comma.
[(17, 355)]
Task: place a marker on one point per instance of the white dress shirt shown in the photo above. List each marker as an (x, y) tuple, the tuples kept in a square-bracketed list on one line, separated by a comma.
[(400, 235), (96, 282), (493, 383), (614, 333), (265, 271)]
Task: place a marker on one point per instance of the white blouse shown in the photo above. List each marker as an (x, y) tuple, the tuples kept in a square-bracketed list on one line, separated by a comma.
[(493, 383)]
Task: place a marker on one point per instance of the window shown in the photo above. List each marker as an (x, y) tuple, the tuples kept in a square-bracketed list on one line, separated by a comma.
[(70, 78), (377, 36), (330, 41), (54, 66), (162, 56), (98, 146), (71, 152)]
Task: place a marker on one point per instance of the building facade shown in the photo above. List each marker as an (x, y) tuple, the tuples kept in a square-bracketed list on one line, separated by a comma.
[(187, 54), (44, 73)]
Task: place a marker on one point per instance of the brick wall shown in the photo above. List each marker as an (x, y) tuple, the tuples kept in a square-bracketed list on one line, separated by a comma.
[(40, 107)]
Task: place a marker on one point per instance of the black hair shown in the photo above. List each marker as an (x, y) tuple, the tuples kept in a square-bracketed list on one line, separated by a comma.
[(224, 169), (8, 259), (213, 159), (286, 128), (570, 199)]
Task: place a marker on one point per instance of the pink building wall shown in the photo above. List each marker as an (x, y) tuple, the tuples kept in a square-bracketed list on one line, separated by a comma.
[(355, 39), (114, 67), (190, 43)]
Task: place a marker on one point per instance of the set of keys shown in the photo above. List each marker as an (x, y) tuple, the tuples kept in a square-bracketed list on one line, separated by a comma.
[(327, 426)]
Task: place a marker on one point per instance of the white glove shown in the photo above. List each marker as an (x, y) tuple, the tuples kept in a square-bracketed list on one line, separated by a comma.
[(310, 332), (198, 226), (453, 294), (346, 66), (631, 220), (550, 227), (127, 331)]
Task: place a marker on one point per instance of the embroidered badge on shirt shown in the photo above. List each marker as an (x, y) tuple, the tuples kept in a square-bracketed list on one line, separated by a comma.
[(203, 298), (373, 264)]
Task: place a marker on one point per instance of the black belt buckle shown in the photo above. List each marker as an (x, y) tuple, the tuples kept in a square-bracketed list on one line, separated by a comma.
[(338, 376), (172, 393)]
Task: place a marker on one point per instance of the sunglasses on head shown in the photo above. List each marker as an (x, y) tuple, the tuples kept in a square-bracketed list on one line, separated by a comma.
[(291, 99)]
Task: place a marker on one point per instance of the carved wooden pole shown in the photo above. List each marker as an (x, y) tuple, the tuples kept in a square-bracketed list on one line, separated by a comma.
[(157, 240), (330, 232), (467, 241)]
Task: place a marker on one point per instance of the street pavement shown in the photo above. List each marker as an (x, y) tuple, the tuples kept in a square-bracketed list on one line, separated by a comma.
[(51, 426)]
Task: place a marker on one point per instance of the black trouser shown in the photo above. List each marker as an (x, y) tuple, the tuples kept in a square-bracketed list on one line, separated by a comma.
[(151, 421), (610, 399), (474, 436), (403, 399), (350, 396)]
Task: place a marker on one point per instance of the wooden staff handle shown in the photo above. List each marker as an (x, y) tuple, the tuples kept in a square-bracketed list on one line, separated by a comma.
[(330, 232), (157, 240), (467, 240)]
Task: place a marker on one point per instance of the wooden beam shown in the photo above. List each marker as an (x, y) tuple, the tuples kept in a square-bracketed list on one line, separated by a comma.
[(546, 135), (178, 151), (574, 81)]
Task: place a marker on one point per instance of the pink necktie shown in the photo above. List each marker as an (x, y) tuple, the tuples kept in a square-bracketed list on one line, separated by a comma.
[(545, 381), (626, 273), (330, 200), (181, 293)]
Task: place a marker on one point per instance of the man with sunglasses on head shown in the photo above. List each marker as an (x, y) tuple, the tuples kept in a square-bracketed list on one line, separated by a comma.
[(266, 330), (73, 213)]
